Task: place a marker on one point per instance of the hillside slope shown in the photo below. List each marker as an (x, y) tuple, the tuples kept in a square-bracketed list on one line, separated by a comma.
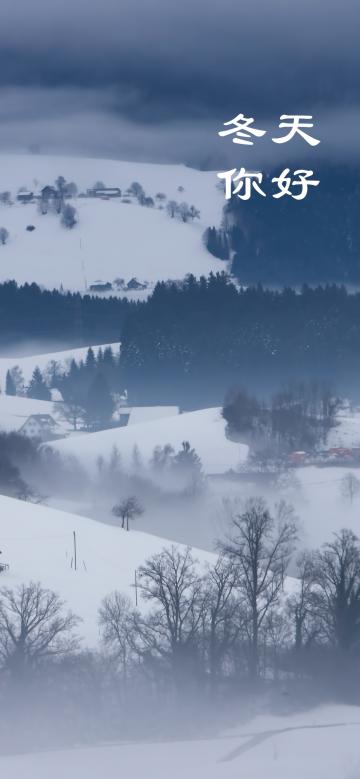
[(112, 239), (205, 430), (37, 543)]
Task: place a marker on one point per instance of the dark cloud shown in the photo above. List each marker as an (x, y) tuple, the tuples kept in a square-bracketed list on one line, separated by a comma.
[(160, 68)]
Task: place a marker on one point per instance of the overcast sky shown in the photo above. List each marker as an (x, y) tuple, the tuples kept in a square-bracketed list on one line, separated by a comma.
[(149, 79)]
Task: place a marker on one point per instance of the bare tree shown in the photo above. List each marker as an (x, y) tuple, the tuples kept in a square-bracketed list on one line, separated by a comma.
[(224, 616), (18, 379), (116, 621), (72, 412), (4, 235), (33, 627), (184, 212), (194, 213), (127, 510), (5, 198), (261, 546), (68, 216), (171, 581), (350, 486), (172, 208), (338, 581), (137, 190), (71, 189), (301, 604)]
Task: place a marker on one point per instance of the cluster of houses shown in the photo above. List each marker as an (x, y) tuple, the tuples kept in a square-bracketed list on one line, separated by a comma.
[(335, 455), (118, 285), (48, 192)]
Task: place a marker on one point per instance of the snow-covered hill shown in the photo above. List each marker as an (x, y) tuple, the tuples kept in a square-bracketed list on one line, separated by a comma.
[(37, 542), (205, 430), (112, 239)]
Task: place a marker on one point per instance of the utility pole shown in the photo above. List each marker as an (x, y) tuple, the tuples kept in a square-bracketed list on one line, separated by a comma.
[(75, 561), (136, 590)]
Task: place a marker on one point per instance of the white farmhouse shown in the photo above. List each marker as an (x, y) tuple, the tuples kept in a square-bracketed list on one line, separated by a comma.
[(42, 426)]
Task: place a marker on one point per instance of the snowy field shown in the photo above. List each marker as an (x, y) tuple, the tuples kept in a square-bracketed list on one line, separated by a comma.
[(112, 239), (205, 430), (37, 543), (322, 743), (322, 506)]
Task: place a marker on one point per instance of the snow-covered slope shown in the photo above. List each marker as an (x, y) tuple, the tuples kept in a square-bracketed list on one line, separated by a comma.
[(112, 239), (141, 414), (205, 430), (322, 742), (37, 542), (63, 358)]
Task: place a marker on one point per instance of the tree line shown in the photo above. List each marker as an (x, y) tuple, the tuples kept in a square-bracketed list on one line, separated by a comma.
[(297, 418), (69, 319)]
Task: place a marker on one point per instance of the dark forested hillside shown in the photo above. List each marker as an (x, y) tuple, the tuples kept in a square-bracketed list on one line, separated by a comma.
[(284, 241), (29, 313), (190, 344)]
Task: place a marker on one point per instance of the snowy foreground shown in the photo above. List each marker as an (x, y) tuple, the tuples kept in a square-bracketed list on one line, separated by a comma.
[(205, 430), (319, 744), (37, 542), (112, 239)]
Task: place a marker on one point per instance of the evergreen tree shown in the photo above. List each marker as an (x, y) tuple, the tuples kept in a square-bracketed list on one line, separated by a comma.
[(99, 404), (90, 362), (217, 243), (37, 388), (108, 357), (188, 466), (10, 388)]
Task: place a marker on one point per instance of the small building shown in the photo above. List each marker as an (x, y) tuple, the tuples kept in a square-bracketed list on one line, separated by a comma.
[(340, 453), (40, 426), (297, 458), (104, 192), (100, 286), (134, 284), (25, 197), (48, 192)]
